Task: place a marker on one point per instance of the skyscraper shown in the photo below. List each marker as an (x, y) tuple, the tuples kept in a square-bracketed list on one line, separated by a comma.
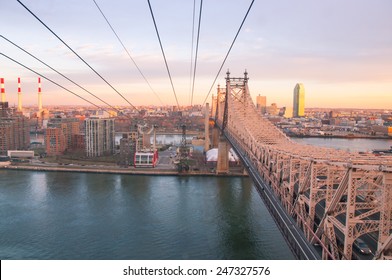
[(299, 101), (261, 104)]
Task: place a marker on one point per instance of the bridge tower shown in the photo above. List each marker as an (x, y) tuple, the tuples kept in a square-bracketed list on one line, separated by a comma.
[(217, 110), (236, 88), (223, 147)]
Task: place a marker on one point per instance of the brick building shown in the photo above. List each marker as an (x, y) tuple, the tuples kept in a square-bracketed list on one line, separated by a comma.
[(14, 130)]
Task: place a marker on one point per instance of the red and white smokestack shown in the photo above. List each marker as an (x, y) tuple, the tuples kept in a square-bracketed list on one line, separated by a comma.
[(39, 94), (19, 96), (2, 90)]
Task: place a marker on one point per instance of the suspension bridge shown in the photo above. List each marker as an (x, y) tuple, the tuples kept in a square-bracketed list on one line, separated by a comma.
[(322, 199)]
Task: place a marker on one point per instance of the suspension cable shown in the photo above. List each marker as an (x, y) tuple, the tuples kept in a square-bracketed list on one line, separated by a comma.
[(163, 53), (228, 52), (99, 75), (128, 53)]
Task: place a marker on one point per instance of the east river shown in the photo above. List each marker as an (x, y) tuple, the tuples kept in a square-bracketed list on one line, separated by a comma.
[(56, 215)]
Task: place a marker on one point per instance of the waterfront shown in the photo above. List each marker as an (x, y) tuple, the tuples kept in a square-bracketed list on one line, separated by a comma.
[(352, 144), (161, 139), (57, 215)]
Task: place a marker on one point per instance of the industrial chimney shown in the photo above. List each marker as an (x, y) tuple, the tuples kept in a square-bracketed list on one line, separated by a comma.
[(2, 90), (39, 95), (19, 97)]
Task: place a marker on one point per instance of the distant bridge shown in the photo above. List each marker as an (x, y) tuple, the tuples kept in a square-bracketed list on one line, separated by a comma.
[(322, 199)]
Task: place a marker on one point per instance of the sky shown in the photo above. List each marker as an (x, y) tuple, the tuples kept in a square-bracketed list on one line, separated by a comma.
[(341, 50)]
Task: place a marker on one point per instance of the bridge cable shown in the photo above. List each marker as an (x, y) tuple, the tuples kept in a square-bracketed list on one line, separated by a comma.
[(228, 52), (53, 82), (163, 53), (197, 48), (99, 75), (128, 53), (62, 75)]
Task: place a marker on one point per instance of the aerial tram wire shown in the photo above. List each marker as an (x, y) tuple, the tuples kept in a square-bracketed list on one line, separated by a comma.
[(163, 52), (197, 49), (228, 52), (193, 36), (53, 82), (62, 75), (61, 40), (128, 53)]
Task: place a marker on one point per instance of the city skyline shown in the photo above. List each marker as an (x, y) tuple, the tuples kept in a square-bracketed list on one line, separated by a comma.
[(341, 52)]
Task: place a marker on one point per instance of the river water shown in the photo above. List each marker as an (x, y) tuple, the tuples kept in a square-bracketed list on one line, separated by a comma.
[(55, 215), (347, 144)]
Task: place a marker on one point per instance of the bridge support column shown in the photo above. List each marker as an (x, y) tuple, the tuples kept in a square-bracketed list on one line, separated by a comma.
[(215, 137), (223, 157), (207, 128)]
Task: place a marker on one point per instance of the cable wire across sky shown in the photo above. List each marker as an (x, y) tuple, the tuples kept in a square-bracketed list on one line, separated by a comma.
[(264, 36), (61, 74), (163, 53), (192, 45), (197, 49), (128, 53), (194, 55), (53, 82), (228, 52), (85, 62)]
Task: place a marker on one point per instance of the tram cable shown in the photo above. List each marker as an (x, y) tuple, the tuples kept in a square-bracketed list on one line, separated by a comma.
[(53, 82), (128, 53), (62, 75), (228, 52), (85, 62), (197, 49), (163, 52), (193, 36)]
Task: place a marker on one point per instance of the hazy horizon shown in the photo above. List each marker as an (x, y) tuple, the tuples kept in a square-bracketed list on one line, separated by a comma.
[(340, 50)]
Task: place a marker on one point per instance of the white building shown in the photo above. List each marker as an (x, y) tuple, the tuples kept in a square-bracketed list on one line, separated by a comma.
[(99, 137)]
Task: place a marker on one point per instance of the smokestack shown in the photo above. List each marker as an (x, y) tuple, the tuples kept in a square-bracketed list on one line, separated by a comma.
[(2, 90), (19, 97), (39, 95)]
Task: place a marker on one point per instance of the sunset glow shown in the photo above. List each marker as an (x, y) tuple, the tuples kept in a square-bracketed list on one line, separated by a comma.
[(341, 51)]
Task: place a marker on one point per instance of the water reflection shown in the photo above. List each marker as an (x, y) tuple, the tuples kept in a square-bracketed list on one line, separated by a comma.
[(101, 216)]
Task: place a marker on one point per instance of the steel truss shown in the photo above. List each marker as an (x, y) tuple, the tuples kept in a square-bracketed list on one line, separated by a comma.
[(334, 196)]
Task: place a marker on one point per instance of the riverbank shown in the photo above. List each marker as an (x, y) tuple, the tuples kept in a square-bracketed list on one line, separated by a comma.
[(116, 170)]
